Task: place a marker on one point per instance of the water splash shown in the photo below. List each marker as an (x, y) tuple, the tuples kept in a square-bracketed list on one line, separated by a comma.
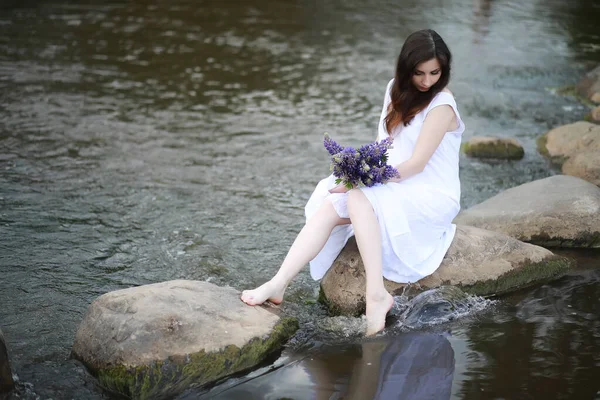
[(436, 306), (431, 307)]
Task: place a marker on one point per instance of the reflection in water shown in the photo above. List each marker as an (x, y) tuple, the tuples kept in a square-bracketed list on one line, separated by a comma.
[(410, 366), (482, 10), (544, 346)]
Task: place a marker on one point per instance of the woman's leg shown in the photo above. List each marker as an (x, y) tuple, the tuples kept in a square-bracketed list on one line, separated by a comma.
[(307, 245), (368, 238)]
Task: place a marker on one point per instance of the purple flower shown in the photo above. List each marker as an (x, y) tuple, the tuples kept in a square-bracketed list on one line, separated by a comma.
[(331, 146), (366, 166)]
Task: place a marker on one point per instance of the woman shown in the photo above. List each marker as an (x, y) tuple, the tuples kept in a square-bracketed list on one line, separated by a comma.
[(404, 227)]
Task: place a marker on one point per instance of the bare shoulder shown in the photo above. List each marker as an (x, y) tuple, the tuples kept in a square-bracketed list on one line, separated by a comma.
[(448, 91)]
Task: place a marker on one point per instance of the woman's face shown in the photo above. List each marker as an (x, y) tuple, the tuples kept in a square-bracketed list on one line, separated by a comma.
[(427, 74)]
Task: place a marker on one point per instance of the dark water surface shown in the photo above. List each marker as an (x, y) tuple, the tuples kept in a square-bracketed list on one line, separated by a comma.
[(153, 140)]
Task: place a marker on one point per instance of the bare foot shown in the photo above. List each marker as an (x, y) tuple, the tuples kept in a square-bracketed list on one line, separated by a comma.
[(267, 291), (377, 309)]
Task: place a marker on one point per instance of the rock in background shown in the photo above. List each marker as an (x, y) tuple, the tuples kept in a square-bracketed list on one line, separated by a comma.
[(559, 211), (589, 86), (154, 341), (479, 262), (492, 147), (576, 147), (6, 379)]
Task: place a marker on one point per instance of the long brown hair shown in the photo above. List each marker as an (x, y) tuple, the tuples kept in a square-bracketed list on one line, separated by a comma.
[(406, 100)]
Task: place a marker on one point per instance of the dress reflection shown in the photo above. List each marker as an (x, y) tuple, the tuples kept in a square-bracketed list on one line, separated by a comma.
[(410, 366)]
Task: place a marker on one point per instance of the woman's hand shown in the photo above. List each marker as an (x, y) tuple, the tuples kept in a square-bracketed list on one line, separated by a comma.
[(341, 188)]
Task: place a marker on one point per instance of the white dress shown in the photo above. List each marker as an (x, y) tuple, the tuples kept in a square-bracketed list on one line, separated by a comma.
[(415, 215)]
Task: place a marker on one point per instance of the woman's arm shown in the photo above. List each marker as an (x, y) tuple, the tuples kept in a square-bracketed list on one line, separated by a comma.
[(438, 121)]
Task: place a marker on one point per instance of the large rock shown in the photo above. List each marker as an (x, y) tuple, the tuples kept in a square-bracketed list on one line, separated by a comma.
[(492, 147), (479, 262), (559, 211), (154, 341), (562, 142), (589, 86), (566, 144), (6, 379)]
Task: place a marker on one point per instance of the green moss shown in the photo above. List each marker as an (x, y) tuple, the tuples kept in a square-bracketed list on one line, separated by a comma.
[(571, 90), (322, 298), (497, 149), (332, 308), (584, 239), (541, 145), (541, 142), (165, 378), (588, 117), (567, 90), (521, 277)]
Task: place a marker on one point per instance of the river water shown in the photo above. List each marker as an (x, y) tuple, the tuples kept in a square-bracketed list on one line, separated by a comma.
[(154, 140)]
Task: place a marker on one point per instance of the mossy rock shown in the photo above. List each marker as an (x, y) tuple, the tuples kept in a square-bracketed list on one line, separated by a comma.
[(154, 341), (163, 379), (480, 262), (496, 148)]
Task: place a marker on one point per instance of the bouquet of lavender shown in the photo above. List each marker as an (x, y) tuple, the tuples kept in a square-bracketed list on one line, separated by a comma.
[(366, 166)]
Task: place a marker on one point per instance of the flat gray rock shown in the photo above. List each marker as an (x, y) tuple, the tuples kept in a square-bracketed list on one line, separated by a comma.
[(559, 211), (154, 341), (480, 262)]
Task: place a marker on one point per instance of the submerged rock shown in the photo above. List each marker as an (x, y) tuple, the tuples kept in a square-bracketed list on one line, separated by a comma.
[(559, 211), (589, 86), (492, 147), (154, 341), (576, 147), (6, 379), (479, 262)]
